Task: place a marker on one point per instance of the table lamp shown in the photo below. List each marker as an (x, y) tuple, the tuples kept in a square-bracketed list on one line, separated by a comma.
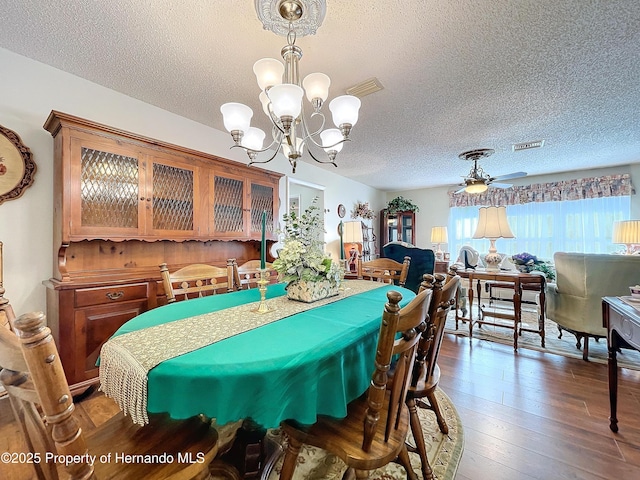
[(493, 224), (439, 236), (352, 234), (627, 233)]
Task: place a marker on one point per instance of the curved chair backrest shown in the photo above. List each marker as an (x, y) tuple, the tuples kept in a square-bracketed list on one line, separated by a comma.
[(197, 280), (384, 270)]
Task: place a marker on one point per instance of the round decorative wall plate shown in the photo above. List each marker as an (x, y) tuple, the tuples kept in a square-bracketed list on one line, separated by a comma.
[(341, 211), (17, 168)]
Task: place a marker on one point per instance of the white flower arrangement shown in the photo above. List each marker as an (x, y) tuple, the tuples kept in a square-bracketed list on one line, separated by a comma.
[(302, 256)]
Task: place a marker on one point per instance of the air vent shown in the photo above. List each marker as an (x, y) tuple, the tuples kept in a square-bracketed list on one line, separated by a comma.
[(527, 145), (365, 88)]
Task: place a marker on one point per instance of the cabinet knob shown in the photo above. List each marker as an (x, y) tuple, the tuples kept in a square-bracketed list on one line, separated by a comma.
[(141, 198), (148, 199), (115, 295)]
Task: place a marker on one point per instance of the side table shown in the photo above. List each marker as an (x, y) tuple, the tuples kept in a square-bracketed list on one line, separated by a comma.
[(621, 318)]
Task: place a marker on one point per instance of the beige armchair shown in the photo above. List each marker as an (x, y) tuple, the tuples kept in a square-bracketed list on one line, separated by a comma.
[(574, 302)]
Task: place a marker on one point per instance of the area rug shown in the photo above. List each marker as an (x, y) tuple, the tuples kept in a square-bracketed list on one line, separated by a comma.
[(565, 346), (443, 452)]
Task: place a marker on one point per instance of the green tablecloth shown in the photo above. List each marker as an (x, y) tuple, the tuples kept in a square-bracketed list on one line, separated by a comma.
[(299, 367)]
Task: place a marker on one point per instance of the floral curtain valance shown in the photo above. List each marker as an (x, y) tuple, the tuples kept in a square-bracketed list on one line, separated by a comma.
[(578, 189)]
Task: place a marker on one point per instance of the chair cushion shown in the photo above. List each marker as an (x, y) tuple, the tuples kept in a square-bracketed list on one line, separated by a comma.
[(422, 261)]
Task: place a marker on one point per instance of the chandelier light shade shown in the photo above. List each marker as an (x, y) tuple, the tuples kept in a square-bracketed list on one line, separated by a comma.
[(439, 236), (493, 224), (283, 93), (627, 233)]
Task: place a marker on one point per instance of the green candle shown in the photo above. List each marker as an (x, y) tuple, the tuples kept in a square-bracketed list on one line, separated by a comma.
[(263, 245), (341, 242)]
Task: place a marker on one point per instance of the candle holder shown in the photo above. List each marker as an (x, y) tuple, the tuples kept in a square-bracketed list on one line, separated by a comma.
[(343, 269), (262, 282)]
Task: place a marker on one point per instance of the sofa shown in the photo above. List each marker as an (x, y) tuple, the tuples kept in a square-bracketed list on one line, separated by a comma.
[(574, 302), (422, 261)]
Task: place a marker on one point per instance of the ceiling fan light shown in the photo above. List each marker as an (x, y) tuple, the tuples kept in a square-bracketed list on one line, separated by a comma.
[(332, 140), (476, 187), (268, 72), (286, 99), (345, 110), (316, 85), (236, 116)]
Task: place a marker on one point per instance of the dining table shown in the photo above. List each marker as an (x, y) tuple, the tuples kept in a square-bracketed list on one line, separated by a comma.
[(297, 365)]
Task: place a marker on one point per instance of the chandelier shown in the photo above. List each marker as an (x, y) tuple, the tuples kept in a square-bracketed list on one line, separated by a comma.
[(282, 95)]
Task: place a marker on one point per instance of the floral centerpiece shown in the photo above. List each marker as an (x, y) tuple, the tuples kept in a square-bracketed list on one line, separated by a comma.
[(309, 271), (362, 210), (527, 263)]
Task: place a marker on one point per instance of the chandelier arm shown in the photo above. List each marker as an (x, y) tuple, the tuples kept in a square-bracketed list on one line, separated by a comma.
[(306, 128), (332, 162), (268, 160), (276, 141)]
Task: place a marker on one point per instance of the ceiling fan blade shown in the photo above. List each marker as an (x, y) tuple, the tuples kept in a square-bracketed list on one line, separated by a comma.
[(509, 176), (500, 185)]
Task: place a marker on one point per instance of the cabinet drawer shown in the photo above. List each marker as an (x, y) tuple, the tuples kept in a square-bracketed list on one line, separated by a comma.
[(111, 294)]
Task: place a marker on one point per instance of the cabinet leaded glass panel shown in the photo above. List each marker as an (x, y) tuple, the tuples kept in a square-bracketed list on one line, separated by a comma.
[(261, 200), (108, 189), (228, 212), (172, 198)]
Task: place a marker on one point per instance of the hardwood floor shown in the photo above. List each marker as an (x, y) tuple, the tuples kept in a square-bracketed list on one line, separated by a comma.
[(533, 415), (526, 416)]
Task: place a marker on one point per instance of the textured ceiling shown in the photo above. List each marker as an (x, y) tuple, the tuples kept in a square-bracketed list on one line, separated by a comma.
[(458, 74)]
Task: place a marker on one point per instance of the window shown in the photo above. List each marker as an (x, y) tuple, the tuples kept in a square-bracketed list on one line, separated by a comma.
[(542, 228)]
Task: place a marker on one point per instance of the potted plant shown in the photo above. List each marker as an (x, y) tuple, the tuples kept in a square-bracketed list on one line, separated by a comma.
[(309, 271), (401, 204)]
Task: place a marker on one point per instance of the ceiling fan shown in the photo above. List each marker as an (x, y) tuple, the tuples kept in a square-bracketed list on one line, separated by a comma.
[(477, 181)]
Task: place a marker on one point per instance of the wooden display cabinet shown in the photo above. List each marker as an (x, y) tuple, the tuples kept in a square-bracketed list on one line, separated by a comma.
[(124, 204), (397, 227)]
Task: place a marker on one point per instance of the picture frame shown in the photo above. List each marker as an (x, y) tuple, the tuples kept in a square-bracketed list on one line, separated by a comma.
[(17, 168), (294, 205)]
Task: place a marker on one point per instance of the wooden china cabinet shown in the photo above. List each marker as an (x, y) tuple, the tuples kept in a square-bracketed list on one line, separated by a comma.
[(397, 227), (124, 204)]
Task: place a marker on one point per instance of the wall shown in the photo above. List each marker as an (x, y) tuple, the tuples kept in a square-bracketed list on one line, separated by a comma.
[(30, 90), (434, 202)]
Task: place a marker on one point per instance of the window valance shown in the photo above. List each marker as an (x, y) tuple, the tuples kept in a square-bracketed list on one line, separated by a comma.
[(577, 189)]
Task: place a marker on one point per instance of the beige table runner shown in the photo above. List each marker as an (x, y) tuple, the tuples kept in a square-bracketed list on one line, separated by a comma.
[(125, 360)]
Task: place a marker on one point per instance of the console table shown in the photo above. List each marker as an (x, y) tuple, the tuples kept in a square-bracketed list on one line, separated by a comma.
[(517, 280), (622, 320)]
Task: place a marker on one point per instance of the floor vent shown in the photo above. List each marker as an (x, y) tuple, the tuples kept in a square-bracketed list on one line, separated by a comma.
[(365, 88), (527, 145)]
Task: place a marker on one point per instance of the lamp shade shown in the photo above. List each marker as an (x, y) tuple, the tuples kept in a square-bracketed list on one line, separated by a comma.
[(286, 99), (316, 85), (344, 110), (331, 139), (627, 232), (492, 223), (352, 232), (268, 72), (439, 235), (236, 116), (253, 139)]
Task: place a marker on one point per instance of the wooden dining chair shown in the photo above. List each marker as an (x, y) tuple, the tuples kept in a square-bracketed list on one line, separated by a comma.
[(426, 373), (374, 431), (246, 276), (197, 280), (384, 270), (34, 378)]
